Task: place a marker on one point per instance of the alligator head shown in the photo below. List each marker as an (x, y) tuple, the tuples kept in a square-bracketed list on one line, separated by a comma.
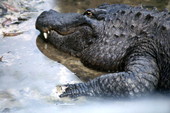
[(69, 32)]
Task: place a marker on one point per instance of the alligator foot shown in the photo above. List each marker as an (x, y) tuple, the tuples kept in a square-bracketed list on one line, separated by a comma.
[(75, 90)]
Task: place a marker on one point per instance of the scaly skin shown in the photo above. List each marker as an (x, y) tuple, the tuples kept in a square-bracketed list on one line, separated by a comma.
[(132, 43)]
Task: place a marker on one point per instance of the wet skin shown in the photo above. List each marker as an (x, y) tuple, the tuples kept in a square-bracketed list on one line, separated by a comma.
[(131, 43)]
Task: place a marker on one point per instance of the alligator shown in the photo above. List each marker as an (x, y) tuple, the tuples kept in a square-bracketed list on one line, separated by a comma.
[(131, 43)]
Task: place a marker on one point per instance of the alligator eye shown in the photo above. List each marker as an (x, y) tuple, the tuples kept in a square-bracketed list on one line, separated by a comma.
[(88, 13)]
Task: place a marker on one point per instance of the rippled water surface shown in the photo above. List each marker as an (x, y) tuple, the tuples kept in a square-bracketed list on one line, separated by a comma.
[(30, 69)]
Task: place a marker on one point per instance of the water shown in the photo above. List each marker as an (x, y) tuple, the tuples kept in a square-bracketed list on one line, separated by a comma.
[(28, 77), (81, 5)]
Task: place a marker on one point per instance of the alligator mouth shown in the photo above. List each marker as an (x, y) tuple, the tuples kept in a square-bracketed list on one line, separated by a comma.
[(64, 32), (46, 32)]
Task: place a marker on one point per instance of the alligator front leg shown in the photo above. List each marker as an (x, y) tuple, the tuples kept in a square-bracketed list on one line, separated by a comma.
[(140, 77)]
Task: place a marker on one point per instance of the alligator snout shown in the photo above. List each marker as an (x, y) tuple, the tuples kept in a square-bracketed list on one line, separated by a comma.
[(62, 23)]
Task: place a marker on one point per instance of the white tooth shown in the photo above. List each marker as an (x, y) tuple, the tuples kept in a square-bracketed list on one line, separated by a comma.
[(45, 46), (48, 32), (45, 35)]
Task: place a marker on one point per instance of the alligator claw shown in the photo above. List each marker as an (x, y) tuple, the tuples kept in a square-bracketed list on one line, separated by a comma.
[(70, 91)]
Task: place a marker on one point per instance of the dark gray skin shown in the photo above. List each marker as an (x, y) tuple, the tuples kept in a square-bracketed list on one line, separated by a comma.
[(132, 43)]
